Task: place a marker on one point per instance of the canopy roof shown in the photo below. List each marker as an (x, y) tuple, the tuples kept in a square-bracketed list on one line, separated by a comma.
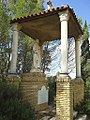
[(46, 25)]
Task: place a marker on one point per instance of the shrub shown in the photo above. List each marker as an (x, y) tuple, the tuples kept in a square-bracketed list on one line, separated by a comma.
[(11, 106), (84, 106), (52, 89)]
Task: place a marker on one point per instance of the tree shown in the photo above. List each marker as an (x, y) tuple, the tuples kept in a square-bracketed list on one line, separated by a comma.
[(85, 54), (20, 8), (5, 48), (25, 54), (46, 59), (52, 89), (11, 105), (85, 68)]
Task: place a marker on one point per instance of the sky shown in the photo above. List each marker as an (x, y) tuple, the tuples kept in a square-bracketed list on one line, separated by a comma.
[(81, 7)]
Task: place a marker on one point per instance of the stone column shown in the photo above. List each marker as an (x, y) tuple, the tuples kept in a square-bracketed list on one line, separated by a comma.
[(64, 95), (14, 48), (78, 63), (36, 57), (64, 42)]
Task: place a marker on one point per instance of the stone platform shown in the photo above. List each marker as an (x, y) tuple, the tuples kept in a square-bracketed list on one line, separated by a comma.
[(30, 84)]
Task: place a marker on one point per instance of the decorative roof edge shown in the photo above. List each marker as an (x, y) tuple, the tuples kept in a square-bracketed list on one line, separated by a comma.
[(45, 13), (41, 13)]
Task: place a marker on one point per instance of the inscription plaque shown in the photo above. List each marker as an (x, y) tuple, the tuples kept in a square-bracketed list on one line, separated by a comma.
[(42, 95)]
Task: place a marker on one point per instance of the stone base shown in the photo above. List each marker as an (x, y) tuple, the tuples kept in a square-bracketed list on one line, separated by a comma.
[(14, 80), (78, 91), (30, 84), (64, 98), (69, 93)]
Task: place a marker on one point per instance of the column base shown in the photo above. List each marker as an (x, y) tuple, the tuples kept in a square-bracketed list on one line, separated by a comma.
[(14, 79), (35, 70), (64, 98), (12, 74)]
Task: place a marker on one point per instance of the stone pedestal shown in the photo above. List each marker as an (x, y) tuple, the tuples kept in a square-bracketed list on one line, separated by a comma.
[(64, 98), (14, 80), (78, 91), (30, 86)]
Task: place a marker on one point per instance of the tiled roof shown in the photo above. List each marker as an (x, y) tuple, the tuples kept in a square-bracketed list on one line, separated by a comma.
[(53, 10), (45, 13)]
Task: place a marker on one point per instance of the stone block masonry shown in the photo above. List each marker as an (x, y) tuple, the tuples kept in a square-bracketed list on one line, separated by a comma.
[(14, 80), (30, 85), (69, 93), (64, 98), (78, 91)]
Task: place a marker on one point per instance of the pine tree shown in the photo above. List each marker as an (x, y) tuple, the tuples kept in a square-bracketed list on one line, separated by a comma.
[(85, 67), (46, 59), (20, 8), (5, 48), (85, 54)]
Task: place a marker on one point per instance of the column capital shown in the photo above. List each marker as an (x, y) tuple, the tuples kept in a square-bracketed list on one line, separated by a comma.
[(64, 16), (37, 41), (16, 27), (78, 38)]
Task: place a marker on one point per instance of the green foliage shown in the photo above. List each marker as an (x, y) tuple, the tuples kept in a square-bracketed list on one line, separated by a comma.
[(85, 31), (80, 21), (52, 89), (25, 54), (4, 22), (84, 106), (24, 7), (5, 49), (85, 54), (85, 69), (3, 64), (11, 106), (46, 58)]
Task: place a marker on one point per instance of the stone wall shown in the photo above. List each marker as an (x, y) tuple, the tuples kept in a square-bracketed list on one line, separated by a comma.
[(14, 80), (64, 98), (30, 84), (78, 91)]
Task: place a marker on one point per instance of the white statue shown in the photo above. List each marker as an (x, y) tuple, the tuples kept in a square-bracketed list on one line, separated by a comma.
[(36, 55)]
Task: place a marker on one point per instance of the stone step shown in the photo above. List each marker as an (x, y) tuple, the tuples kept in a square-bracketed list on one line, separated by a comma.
[(48, 114), (53, 118), (48, 118), (82, 117), (45, 118)]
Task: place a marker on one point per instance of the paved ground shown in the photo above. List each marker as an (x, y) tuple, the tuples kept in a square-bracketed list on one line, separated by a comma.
[(50, 114), (82, 117)]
